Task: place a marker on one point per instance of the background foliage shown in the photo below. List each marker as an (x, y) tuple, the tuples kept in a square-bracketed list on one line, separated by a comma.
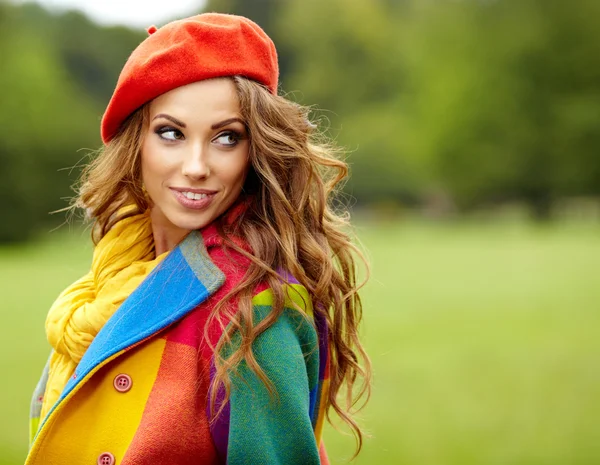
[(463, 104)]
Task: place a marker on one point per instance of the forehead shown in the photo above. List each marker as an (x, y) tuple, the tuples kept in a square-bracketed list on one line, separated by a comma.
[(208, 99)]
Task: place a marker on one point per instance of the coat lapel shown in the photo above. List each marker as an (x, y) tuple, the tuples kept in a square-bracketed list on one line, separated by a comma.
[(182, 281)]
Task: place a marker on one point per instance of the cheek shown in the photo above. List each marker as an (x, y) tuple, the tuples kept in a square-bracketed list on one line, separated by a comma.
[(236, 172), (154, 166)]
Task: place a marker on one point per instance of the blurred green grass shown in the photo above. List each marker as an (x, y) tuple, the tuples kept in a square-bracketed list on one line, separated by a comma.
[(483, 339)]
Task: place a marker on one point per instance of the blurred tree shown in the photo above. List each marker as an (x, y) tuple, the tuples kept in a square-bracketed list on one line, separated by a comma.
[(348, 61), (94, 55), (496, 89), (485, 101), (561, 80), (48, 112)]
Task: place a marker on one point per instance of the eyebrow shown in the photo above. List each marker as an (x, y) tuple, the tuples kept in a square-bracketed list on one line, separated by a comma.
[(226, 122), (170, 118), (214, 126)]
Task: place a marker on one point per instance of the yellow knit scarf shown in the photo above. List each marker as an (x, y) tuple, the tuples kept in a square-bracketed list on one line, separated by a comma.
[(121, 261)]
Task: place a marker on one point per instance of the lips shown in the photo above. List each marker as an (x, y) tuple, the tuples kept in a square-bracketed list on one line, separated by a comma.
[(194, 190), (194, 199)]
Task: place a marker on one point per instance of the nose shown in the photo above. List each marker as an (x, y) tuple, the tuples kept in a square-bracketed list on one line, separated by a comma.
[(195, 164)]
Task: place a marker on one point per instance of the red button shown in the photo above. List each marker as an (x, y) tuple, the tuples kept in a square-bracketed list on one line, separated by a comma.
[(122, 382), (106, 458)]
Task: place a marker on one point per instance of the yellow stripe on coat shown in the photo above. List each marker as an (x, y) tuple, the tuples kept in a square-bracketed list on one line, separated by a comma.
[(295, 294), (96, 418)]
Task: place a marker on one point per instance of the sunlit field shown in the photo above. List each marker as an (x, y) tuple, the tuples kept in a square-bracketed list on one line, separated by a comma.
[(484, 342)]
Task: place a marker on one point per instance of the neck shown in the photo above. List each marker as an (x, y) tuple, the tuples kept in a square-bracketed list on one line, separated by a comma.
[(166, 235)]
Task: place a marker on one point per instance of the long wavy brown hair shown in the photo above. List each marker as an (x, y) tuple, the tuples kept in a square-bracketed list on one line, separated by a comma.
[(292, 223)]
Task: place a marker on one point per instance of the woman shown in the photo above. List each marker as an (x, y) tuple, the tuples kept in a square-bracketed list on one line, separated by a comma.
[(219, 320)]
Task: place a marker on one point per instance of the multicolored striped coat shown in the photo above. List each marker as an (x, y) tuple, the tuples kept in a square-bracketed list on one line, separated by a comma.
[(140, 393)]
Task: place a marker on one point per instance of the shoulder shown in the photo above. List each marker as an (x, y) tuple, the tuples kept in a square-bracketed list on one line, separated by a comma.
[(296, 297), (294, 323), (234, 262), (273, 422)]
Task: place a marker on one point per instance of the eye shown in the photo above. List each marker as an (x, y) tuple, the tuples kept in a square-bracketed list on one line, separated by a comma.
[(228, 138), (169, 133)]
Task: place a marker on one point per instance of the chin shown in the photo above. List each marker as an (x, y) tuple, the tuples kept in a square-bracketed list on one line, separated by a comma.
[(191, 221)]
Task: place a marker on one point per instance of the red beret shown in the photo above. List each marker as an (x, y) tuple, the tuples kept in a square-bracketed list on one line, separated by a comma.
[(189, 50)]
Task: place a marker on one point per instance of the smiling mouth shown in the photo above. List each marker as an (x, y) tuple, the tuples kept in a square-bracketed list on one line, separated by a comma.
[(194, 200)]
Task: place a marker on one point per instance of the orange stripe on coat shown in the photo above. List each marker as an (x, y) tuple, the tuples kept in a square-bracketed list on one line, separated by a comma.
[(174, 429)]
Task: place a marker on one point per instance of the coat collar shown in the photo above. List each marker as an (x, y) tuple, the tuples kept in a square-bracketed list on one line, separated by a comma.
[(181, 282)]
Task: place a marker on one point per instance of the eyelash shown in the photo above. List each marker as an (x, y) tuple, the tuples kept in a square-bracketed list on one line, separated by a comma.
[(163, 129), (237, 136), (234, 134)]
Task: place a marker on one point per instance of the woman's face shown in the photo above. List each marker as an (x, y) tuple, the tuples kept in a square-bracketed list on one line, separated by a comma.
[(194, 155)]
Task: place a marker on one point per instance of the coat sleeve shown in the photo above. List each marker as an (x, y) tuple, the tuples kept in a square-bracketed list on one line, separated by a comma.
[(37, 401), (277, 428)]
